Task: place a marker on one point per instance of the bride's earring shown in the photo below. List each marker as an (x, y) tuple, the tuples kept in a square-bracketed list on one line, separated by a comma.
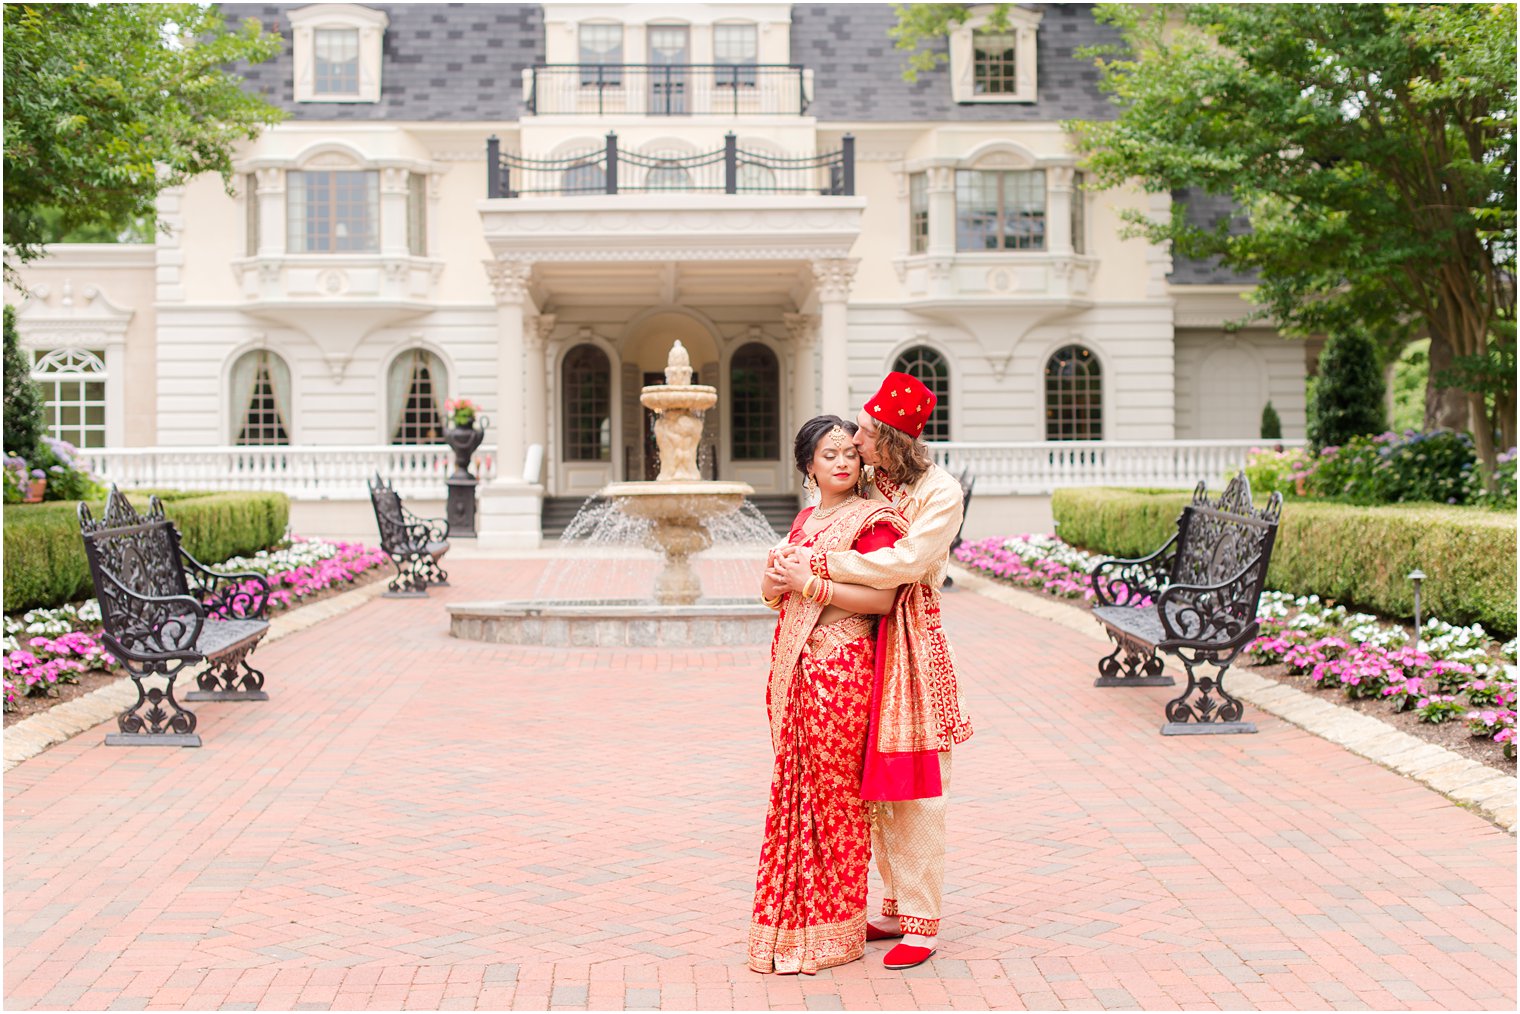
[(810, 485)]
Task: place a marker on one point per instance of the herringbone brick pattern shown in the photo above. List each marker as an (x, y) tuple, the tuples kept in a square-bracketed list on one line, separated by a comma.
[(417, 822)]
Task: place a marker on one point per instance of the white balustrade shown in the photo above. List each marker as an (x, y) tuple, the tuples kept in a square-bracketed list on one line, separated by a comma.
[(303, 473), (1038, 467)]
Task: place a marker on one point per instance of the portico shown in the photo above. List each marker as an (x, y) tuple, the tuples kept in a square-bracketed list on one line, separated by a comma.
[(592, 291)]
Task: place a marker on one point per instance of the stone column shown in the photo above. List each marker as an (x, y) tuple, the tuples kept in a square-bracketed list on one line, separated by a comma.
[(832, 279), (510, 507), (535, 404), (941, 194), (803, 328)]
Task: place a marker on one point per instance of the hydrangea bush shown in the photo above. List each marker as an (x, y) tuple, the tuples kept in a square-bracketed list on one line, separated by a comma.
[(45, 647), (1449, 673)]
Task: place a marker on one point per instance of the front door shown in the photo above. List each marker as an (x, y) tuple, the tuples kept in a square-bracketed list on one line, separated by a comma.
[(669, 56)]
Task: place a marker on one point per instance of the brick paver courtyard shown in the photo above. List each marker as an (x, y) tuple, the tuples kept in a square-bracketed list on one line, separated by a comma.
[(414, 821)]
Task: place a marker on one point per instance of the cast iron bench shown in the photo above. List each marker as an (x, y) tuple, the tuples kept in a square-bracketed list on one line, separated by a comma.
[(1203, 588), (163, 610), (968, 484), (414, 544)]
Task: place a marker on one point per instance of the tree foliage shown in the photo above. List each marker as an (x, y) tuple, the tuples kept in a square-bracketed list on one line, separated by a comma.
[(1371, 146), (23, 399), (926, 25), (1347, 396), (107, 104)]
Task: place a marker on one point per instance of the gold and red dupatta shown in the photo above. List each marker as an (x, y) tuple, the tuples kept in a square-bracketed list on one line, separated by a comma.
[(799, 615)]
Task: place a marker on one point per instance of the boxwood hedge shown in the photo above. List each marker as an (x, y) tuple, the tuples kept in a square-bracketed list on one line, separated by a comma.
[(44, 557), (1356, 556)]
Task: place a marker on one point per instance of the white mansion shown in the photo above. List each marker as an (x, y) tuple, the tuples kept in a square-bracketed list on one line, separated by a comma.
[(755, 179)]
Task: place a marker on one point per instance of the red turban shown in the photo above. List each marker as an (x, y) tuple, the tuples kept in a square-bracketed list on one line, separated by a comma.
[(903, 403)]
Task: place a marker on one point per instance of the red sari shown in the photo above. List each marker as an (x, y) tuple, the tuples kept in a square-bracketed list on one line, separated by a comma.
[(810, 894)]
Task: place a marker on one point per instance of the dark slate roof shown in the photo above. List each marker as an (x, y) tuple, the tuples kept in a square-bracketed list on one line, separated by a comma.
[(857, 73), (441, 62), (465, 62), (1206, 210)]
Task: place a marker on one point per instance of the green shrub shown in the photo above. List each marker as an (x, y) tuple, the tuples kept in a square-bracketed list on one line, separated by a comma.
[(45, 563), (1346, 399), (23, 398), (1271, 423), (1354, 555), (1435, 467)]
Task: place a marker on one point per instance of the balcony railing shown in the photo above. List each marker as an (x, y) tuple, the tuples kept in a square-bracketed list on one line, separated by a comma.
[(1038, 467), (726, 170), (682, 89), (303, 472)]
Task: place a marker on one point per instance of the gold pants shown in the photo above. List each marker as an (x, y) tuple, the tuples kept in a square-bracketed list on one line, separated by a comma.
[(909, 844)]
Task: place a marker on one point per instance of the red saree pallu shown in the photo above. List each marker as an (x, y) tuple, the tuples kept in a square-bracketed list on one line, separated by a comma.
[(810, 896), (810, 893)]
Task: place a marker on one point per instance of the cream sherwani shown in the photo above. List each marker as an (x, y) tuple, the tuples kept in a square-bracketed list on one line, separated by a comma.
[(909, 840)]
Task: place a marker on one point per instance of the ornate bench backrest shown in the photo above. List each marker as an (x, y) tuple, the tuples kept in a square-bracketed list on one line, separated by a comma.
[(1220, 539), (387, 503), (141, 552)]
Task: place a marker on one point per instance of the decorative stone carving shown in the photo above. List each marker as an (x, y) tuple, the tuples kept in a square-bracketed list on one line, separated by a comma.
[(833, 277), (539, 331), (802, 328), (509, 279)]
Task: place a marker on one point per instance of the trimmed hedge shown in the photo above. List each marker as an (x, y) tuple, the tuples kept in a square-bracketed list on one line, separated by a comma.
[(45, 563), (1351, 555)]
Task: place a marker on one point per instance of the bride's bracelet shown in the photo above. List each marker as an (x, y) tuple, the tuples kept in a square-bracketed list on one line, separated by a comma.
[(807, 587)]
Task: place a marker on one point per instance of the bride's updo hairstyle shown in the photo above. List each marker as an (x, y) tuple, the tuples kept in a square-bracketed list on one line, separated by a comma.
[(813, 431)]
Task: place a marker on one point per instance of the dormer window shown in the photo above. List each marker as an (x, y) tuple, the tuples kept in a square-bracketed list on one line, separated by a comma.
[(995, 63), (337, 50)]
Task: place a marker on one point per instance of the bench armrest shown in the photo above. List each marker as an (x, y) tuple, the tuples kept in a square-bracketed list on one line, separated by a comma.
[(150, 628), (1129, 580), (228, 594), (1210, 615), (426, 530)]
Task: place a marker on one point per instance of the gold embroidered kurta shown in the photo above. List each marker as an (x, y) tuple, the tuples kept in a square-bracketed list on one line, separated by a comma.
[(921, 707)]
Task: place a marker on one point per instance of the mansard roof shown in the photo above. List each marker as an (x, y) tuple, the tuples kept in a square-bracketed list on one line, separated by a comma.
[(465, 62)]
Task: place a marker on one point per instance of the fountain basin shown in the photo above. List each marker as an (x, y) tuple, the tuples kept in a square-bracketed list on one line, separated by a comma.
[(690, 397), (670, 500), (614, 624)]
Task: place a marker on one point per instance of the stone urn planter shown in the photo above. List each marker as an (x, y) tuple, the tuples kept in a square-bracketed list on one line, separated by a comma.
[(464, 441), (34, 491)]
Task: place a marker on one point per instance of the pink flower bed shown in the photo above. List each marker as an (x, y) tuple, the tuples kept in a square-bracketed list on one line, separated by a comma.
[(50, 661)]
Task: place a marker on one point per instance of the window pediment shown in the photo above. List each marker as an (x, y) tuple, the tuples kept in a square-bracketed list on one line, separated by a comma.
[(991, 64)]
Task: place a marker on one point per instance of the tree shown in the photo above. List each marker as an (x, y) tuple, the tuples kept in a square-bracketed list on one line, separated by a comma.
[(1347, 399), (108, 104), (1371, 147), (1271, 423), (23, 399)]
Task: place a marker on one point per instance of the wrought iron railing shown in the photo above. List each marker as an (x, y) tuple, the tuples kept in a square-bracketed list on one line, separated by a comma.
[(727, 170), (681, 89)]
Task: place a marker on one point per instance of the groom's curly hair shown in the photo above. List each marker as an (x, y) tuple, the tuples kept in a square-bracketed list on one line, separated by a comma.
[(904, 459)]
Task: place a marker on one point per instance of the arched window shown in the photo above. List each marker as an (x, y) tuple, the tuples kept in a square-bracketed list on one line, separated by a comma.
[(587, 399), (929, 366), (415, 391), (584, 178), (755, 404), (1073, 395), (73, 383), (260, 399)]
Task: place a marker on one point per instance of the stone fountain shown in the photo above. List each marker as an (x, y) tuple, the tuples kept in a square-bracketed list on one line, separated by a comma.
[(676, 513), (678, 502)]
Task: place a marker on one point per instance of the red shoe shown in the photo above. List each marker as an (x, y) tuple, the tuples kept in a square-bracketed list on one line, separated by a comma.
[(906, 956), (872, 933)]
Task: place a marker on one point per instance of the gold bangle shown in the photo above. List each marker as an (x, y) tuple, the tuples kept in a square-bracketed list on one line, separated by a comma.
[(774, 603), (807, 588), (826, 591)]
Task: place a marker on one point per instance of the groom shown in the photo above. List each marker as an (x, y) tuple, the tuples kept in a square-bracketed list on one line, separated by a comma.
[(908, 838)]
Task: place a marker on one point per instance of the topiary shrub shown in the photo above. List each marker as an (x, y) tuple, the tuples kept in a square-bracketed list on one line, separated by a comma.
[(1271, 425), (23, 398), (1358, 556), (1346, 399), (45, 563)]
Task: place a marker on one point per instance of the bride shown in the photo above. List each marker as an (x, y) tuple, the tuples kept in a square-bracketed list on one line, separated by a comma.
[(810, 895)]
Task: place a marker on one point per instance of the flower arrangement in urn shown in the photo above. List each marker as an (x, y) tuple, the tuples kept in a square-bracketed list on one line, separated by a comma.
[(465, 429)]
